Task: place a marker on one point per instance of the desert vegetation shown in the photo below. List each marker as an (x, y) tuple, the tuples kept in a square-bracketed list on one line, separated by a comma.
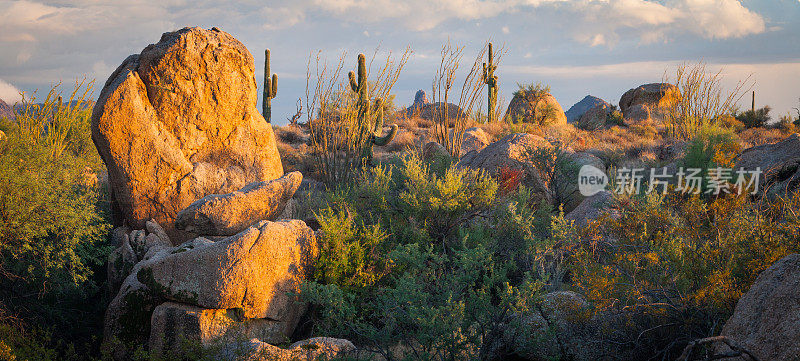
[(427, 250)]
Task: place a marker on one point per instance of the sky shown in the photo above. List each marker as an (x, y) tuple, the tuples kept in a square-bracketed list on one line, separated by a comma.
[(578, 47)]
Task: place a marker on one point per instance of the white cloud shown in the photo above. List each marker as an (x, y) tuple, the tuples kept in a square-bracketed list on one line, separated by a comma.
[(505, 30), (9, 93), (652, 22)]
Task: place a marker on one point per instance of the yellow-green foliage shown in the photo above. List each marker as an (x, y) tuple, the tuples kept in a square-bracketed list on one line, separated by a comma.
[(712, 147), (440, 203), (684, 262), (52, 227)]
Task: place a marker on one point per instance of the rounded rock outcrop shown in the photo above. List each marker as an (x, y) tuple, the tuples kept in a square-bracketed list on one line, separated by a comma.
[(178, 122)]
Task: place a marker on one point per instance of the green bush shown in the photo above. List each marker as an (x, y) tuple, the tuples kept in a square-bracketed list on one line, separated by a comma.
[(431, 262), (755, 119), (52, 223), (712, 147)]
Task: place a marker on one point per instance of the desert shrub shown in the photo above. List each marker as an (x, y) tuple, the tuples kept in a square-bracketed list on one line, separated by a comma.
[(730, 122), (755, 118), (540, 114), (712, 147), (555, 168), (53, 221), (615, 118), (786, 124), (341, 134), (431, 264), (681, 262)]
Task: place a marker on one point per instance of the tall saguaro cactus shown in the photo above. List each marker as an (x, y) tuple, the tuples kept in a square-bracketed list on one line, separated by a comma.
[(360, 86), (270, 89), (491, 81)]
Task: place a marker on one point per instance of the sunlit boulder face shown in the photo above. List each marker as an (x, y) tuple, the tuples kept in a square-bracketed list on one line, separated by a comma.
[(648, 102), (178, 122)]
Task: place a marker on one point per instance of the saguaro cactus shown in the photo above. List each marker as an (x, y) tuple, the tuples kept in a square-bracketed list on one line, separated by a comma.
[(360, 86), (270, 89), (491, 81)]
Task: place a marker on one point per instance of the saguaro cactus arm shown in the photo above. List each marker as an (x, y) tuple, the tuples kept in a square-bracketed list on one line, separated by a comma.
[(376, 133)]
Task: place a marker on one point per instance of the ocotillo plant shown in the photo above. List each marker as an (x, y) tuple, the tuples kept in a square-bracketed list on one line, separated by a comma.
[(270, 89), (371, 135), (491, 82)]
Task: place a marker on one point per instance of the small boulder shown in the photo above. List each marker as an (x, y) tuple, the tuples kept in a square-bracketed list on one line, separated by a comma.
[(767, 317), (433, 151), (173, 323), (474, 139), (595, 117), (229, 214), (313, 349), (591, 208), (426, 111), (648, 102), (509, 152)]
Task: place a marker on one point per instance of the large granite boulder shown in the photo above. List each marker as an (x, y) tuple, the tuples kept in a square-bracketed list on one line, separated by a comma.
[(252, 271), (578, 109), (511, 153), (229, 214), (767, 317), (648, 102), (779, 162), (528, 107), (178, 122)]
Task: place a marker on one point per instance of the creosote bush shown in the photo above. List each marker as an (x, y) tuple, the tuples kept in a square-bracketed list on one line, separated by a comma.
[(680, 263), (53, 224), (430, 261)]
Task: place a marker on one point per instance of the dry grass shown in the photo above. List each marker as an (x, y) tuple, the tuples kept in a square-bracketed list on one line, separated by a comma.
[(405, 139), (290, 134)]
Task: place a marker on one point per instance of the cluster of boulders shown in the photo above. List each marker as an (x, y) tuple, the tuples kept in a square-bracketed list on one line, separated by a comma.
[(198, 188), (647, 103)]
